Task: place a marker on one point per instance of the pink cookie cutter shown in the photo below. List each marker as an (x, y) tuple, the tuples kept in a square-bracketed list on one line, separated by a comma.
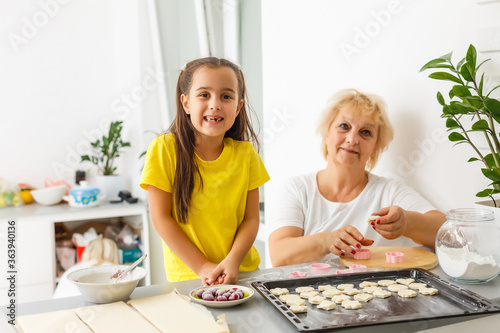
[(363, 254), (394, 257), (358, 268), (345, 271), (297, 274), (318, 269)]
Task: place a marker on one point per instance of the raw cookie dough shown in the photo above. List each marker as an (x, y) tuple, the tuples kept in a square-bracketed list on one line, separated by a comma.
[(323, 288), (382, 293), (406, 282), (385, 283), (309, 294), (417, 285), (345, 286), (368, 284), (316, 299), (407, 293), (428, 291), (298, 308), (351, 305), (279, 291), (292, 300), (340, 298), (327, 305), (396, 287), (371, 290), (351, 291), (332, 292), (363, 297), (373, 218), (299, 290)]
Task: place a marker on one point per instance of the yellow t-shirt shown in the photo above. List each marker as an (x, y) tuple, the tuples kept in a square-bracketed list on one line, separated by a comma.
[(218, 208)]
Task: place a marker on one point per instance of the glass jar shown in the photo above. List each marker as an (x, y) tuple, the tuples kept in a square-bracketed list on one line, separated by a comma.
[(468, 245)]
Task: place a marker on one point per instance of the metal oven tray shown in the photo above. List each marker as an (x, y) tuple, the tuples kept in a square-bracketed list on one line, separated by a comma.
[(451, 301)]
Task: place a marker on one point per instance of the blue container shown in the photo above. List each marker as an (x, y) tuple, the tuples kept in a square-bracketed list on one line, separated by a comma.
[(84, 195)]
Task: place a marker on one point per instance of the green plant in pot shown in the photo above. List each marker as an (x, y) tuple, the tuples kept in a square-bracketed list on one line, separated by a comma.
[(468, 99), (104, 153)]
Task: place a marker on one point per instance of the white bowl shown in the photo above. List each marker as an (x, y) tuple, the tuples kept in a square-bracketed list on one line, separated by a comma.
[(96, 284), (49, 195)]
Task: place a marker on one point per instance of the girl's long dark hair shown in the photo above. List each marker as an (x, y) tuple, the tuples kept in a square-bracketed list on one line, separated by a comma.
[(184, 132)]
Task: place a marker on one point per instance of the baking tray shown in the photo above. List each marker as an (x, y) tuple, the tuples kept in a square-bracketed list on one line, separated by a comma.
[(451, 301)]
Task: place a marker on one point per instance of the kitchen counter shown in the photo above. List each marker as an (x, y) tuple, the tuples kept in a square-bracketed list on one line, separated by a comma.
[(258, 315)]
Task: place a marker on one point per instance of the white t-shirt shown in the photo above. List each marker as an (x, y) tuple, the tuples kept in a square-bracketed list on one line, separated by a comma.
[(302, 205)]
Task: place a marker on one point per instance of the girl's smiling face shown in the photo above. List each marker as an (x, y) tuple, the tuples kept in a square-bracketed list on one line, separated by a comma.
[(351, 138), (212, 101)]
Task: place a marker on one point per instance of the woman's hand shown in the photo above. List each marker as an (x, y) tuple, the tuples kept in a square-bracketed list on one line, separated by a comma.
[(226, 272), (205, 274), (393, 222), (346, 240)]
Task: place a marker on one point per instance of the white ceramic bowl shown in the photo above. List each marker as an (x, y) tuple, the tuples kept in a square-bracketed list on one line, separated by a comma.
[(96, 284), (49, 195)]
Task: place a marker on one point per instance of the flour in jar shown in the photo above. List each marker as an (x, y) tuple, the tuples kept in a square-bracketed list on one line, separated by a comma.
[(463, 264)]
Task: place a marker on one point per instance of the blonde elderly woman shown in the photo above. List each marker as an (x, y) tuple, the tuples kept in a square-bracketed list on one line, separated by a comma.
[(325, 213)]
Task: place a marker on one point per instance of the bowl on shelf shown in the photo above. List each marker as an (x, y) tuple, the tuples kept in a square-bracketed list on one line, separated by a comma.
[(96, 283), (50, 195)]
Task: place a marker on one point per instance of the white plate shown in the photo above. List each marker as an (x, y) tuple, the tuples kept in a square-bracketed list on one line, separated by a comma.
[(222, 304)]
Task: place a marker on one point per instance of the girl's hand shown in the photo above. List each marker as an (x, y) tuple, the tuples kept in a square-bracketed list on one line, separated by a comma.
[(393, 222), (346, 240), (205, 272), (226, 272)]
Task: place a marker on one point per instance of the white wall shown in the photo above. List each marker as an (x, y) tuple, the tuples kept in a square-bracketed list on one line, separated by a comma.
[(304, 63)]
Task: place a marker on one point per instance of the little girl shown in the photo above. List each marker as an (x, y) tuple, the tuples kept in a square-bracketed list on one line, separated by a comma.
[(203, 175)]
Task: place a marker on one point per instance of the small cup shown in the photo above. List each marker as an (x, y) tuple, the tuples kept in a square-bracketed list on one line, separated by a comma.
[(297, 274), (345, 271), (363, 254), (394, 257), (358, 268), (318, 269)]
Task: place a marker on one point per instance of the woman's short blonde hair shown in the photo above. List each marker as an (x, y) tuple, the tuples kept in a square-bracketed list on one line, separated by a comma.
[(101, 250), (365, 105)]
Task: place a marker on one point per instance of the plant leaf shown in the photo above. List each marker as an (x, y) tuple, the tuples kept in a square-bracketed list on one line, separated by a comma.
[(471, 56), (493, 174), (440, 98), (461, 91), (460, 108), (447, 56), (452, 123), (460, 63), (493, 106), (445, 76), (492, 90), (485, 193), (455, 136), (473, 159), (478, 66), (480, 125), (466, 73), (480, 88), (435, 63), (490, 160)]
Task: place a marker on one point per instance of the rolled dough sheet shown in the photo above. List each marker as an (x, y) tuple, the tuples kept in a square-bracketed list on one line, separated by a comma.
[(50, 322), (171, 313), (114, 317)]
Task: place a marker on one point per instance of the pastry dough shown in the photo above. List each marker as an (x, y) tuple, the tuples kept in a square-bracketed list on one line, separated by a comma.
[(171, 313), (368, 284), (417, 285), (296, 302), (397, 287), (299, 290), (351, 305), (428, 291), (351, 291), (309, 294), (279, 291), (114, 317), (382, 293), (327, 305), (371, 290), (297, 309), (323, 288), (58, 321), (406, 282), (332, 292), (373, 218), (316, 299), (363, 297), (286, 298), (385, 283), (345, 286), (407, 293), (340, 298)]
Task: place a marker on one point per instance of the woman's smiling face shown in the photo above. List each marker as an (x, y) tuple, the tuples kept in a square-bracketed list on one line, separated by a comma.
[(351, 138), (212, 101)]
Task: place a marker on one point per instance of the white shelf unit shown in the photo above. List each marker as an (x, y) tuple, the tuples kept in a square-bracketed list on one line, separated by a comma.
[(35, 238)]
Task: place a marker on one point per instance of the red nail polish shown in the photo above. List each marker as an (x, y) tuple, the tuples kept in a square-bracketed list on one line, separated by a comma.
[(353, 252), (358, 246), (372, 223), (373, 227), (342, 254), (378, 221)]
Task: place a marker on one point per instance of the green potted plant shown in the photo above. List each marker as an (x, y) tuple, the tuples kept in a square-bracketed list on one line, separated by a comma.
[(467, 99), (104, 153)]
